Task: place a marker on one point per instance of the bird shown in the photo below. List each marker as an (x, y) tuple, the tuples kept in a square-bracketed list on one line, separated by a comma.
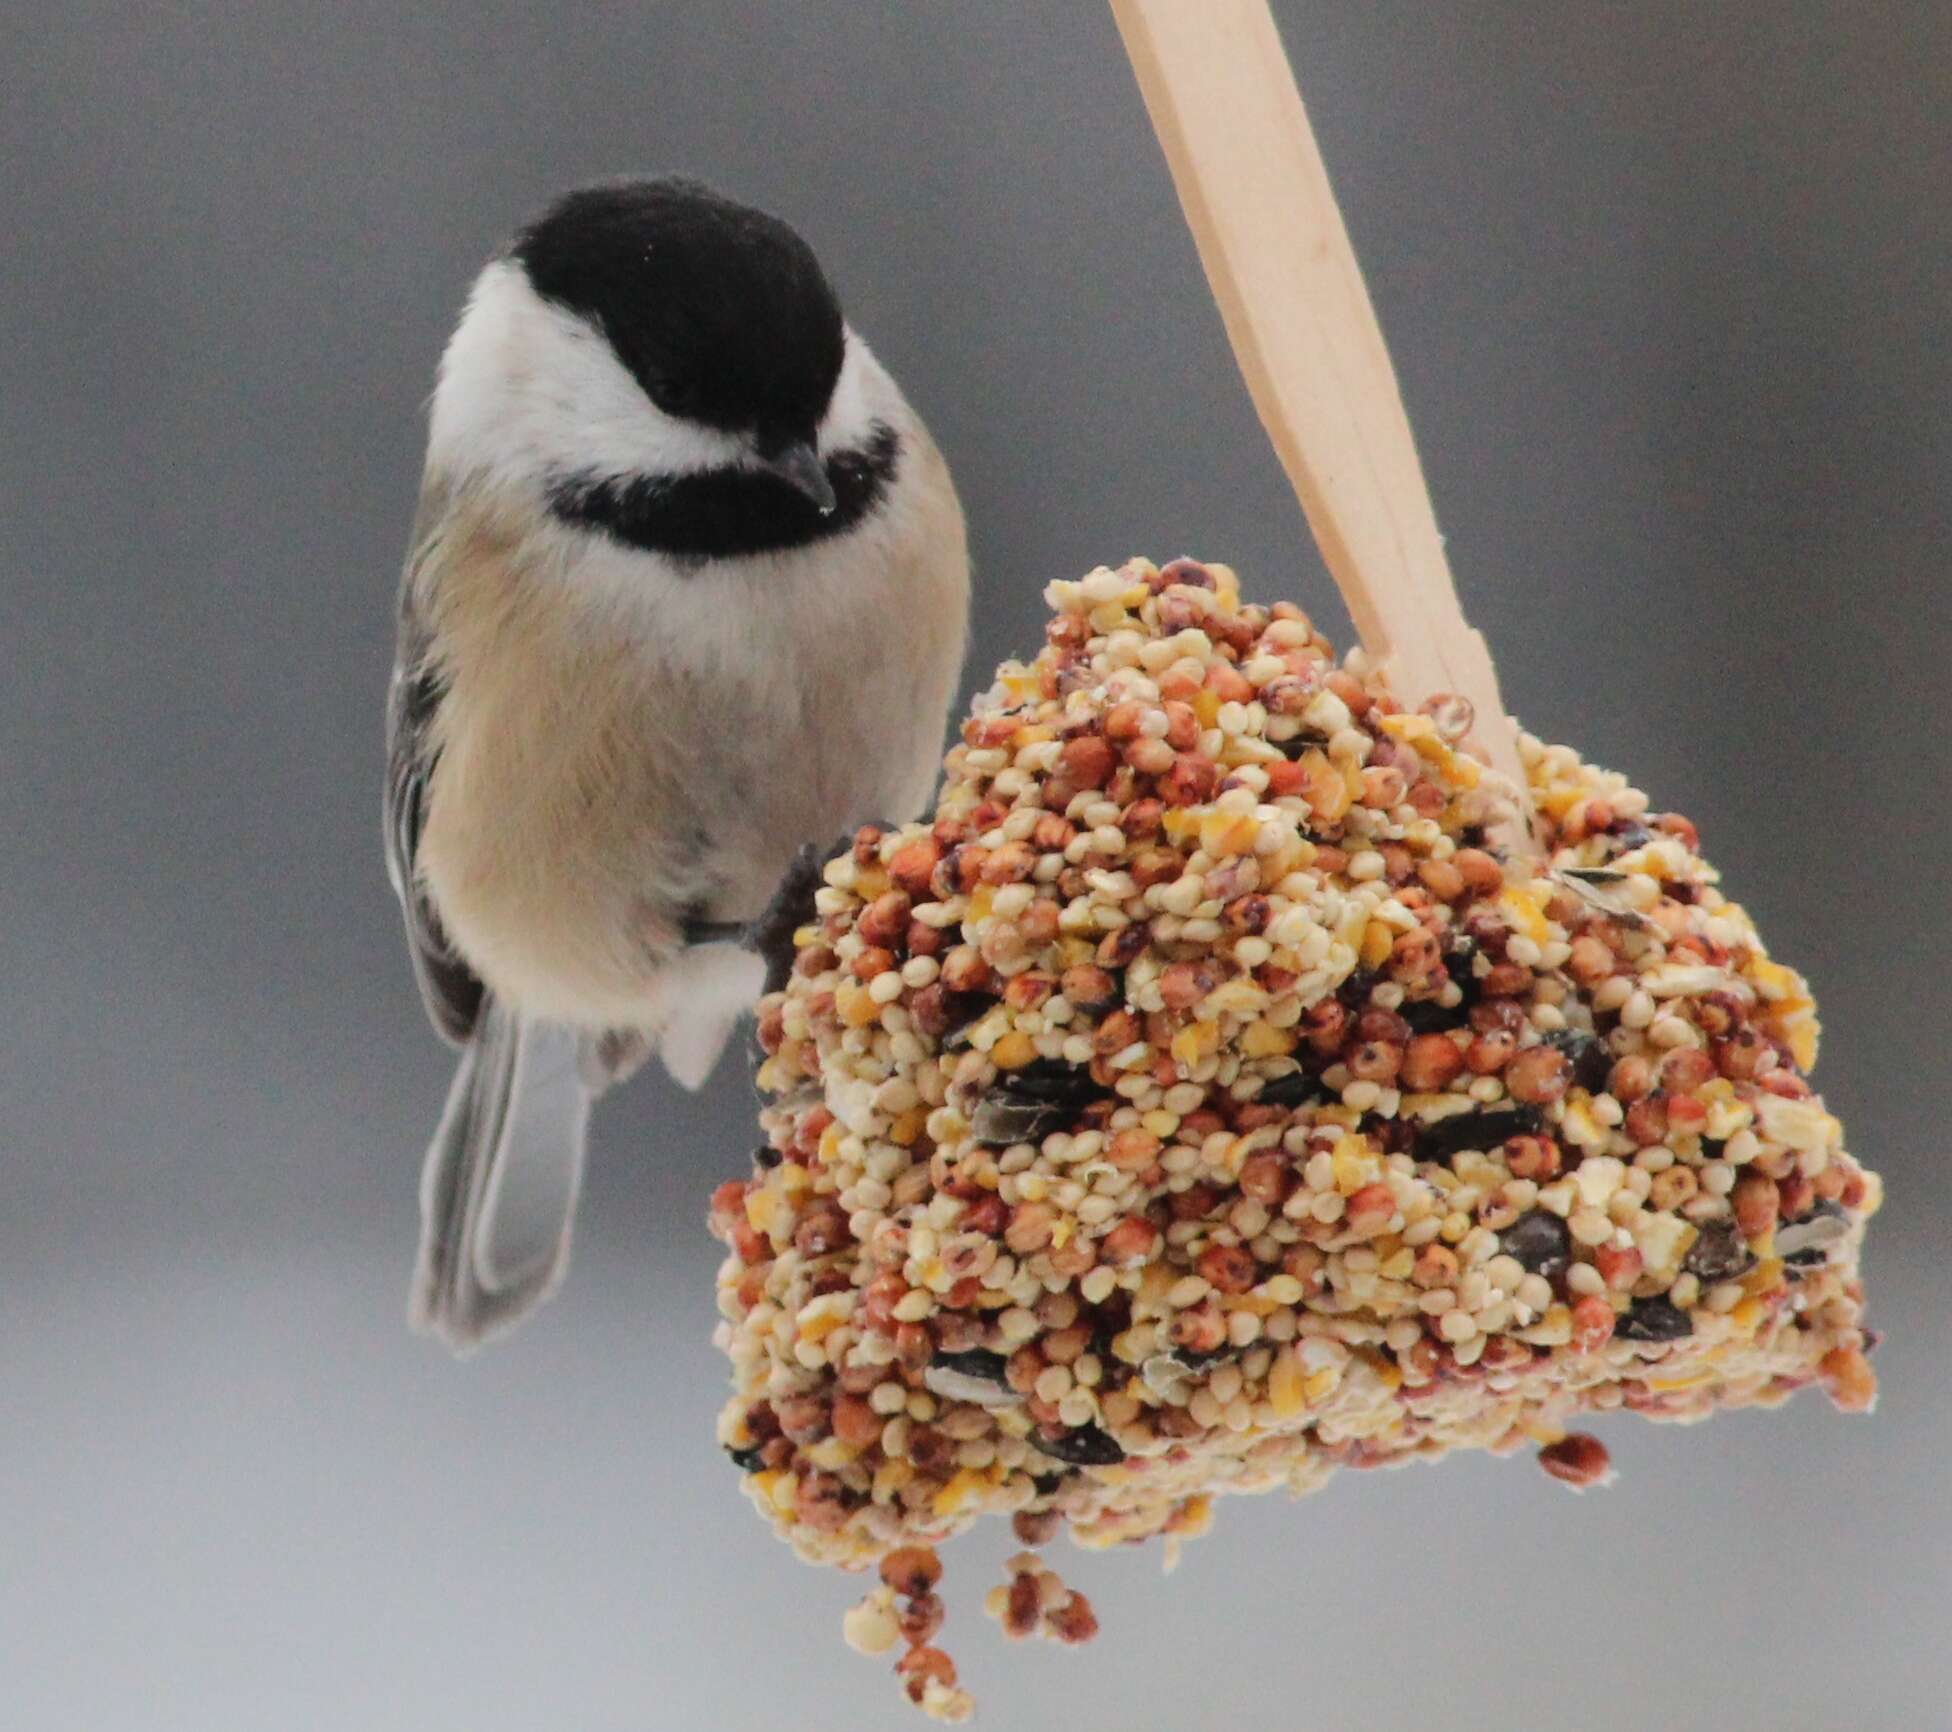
[(687, 589)]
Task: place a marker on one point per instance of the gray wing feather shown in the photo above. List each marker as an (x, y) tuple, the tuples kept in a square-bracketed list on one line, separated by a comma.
[(499, 1186), (448, 987)]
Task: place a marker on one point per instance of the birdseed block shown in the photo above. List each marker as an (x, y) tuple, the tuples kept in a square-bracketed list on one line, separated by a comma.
[(1201, 1103)]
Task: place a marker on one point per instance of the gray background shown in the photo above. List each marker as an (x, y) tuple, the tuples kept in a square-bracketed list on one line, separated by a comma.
[(1666, 285)]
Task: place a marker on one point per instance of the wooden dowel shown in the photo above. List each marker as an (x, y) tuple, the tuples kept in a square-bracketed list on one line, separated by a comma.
[(1250, 177)]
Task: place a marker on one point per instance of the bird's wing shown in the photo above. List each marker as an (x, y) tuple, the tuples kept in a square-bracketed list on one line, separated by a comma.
[(448, 987)]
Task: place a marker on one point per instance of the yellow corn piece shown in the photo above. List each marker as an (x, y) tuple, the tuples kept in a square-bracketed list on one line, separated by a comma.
[(1224, 833), (1196, 1041), (820, 1325), (1015, 1050), (1763, 1277), (1579, 1123), (1521, 906), (1286, 1391), (1193, 1517), (1557, 802), (1355, 1164), (1420, 733), (1295, 856), (1377, 940), (857, 1008), (1323, 786), (1802, 1039), (830, 1453), (1693, 1380), (1390, 1373), (1264, 1040), (966, 1484), (762, 1209), (1775, 982)]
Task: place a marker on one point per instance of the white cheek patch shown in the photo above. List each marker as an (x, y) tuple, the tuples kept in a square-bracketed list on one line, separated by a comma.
[(861, 398), (531, 394), (529, 391)]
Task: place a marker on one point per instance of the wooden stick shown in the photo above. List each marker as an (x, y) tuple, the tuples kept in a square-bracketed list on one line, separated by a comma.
[(1256, 194)]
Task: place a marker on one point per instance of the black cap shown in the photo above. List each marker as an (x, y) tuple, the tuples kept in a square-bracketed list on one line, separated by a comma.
[(720, 312)]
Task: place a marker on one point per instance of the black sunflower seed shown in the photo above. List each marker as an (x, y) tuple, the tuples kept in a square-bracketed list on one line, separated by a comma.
[(974, 1362), (1354, 992), (1195, 1360), (746, 1460), (1540, 1241), (1426, 1015), (999, 1123), (766, 1157), (1082, 1446), (1048, 1484), (1296, 1089), (1479, 1130), (1592, 1063), (1024, 1105), (1719, 1253), (1392, 1136), (1293, 749), (1805, 1242), (1051, 1081), (965, 1010), (1654, 1320), (791, 907)]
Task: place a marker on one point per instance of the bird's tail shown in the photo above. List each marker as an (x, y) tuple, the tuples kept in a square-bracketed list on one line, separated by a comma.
[(498, 1190)]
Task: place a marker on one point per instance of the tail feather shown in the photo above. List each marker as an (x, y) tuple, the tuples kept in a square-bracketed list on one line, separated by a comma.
[(498, 1191)]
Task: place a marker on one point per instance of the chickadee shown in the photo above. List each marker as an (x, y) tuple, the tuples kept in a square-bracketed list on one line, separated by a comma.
[(688, 588)]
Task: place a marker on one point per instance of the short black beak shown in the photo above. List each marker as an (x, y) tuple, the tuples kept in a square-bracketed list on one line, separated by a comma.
[(799, 466)]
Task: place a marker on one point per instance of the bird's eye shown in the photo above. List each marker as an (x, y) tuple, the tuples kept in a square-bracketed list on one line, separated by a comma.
[(675, 396)]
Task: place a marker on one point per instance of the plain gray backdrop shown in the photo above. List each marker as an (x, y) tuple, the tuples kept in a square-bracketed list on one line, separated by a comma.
[(1666, 285)]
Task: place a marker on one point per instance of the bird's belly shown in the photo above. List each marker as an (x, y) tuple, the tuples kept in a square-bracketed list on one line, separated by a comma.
[(543, 841), (591, 796)]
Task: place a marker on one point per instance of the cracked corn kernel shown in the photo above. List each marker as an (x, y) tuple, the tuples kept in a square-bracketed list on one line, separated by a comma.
[(1190, 1156)]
